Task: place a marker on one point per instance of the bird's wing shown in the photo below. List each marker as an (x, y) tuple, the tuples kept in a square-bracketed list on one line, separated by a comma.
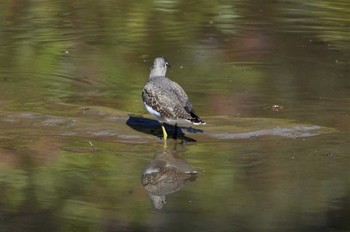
[(167, 98), (186, 104)]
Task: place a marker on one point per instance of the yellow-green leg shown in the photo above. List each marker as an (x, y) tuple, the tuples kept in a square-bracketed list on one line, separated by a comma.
[(165, 135)]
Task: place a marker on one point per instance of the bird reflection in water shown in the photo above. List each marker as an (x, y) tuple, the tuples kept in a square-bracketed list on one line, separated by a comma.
[(166, 174)]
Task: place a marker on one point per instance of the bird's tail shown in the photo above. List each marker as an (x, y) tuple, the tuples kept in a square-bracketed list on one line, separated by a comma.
[(196, 120)]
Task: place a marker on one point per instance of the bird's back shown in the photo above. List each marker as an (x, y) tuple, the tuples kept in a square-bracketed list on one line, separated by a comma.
[(167, 98)]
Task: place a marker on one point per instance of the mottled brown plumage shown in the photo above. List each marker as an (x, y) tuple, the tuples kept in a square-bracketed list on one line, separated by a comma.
[(165, 175), (165, 99)]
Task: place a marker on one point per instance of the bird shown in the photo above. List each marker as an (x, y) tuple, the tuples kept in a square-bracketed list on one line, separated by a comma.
[(166, 100), (166, 174)]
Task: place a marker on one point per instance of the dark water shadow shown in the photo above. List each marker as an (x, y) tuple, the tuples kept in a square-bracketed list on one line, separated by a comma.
[(166, 174), (152, 127)]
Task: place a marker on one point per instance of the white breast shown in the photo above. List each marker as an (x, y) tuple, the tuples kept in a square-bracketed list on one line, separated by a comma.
[(152, 111)]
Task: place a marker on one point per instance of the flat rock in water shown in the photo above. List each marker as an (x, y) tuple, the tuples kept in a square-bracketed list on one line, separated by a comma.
[(107, 123)]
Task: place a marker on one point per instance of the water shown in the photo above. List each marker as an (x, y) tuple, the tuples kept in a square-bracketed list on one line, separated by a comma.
[(270, 78)]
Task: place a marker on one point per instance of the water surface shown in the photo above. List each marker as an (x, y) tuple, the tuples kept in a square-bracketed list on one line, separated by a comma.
[(271, 79)]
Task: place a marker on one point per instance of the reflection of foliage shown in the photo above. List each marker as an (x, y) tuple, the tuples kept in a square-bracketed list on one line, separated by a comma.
[(80, 188), (242, 180), (13, 183), (327, 19), (80, 214), (76, 51), (334, 18)]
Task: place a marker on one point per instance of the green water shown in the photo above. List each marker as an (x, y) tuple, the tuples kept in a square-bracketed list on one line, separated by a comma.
[(75, 138)]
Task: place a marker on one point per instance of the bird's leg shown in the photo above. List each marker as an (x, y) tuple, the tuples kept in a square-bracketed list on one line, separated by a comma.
[(175, 131), (165, 135)]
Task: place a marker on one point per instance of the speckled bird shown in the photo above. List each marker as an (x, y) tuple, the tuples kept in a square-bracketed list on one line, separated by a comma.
[(165, 99)]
